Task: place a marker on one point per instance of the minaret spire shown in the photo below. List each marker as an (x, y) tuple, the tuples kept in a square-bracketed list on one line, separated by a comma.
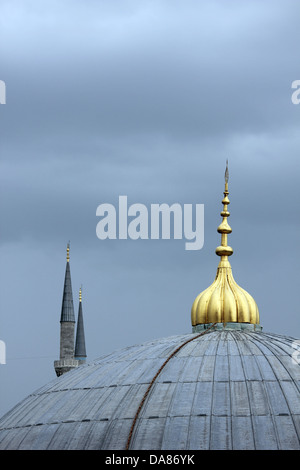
[(80, 350), (67, 325), (67, 308), (224, 301)]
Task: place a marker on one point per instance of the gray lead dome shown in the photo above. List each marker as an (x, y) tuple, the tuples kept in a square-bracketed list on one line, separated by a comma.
[(223, 390)]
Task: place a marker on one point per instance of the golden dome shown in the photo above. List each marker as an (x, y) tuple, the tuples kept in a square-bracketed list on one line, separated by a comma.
[(224, 301)]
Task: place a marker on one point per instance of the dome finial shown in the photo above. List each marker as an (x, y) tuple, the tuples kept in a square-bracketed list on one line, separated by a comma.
[(226, 172), (224, 301), (224, 228)]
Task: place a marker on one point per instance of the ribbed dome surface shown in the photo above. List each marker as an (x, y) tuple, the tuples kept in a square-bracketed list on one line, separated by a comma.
[(223, 390), (224, 301)]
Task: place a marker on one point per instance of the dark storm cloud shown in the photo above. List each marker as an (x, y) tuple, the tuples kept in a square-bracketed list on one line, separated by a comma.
[(133, 97), (156, 68)]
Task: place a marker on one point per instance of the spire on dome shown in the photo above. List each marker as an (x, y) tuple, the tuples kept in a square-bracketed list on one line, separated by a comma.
[(67, 309), (224, 301), (80, 350), (224, 228)]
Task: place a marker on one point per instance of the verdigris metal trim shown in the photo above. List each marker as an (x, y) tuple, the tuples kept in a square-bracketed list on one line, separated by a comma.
[(227, 326)]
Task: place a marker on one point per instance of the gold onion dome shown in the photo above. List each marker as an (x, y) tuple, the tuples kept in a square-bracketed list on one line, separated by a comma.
[(224, 301)]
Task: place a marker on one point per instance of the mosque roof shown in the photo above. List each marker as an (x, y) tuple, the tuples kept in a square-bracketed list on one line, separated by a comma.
[(221, 389)]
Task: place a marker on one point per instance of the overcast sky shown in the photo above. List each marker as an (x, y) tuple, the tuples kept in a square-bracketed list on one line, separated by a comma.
[(146, 99)]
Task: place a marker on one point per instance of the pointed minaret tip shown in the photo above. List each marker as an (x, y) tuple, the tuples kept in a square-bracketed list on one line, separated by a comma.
[(68, 252), (80, 349), (67, 311)]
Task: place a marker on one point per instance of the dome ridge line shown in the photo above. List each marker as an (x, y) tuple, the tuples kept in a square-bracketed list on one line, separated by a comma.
[(155, 377), (271, 347)]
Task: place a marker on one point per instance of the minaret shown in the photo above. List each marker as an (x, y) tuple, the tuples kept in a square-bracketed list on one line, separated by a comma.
[(67, 326), (225, 302), (80, 350)]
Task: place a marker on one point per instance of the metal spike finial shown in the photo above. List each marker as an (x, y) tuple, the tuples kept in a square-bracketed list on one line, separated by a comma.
[(80, 293), (226, 172), (224, 228)]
